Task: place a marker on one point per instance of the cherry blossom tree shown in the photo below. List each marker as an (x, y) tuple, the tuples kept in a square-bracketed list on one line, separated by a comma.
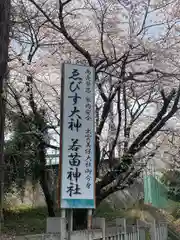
[(133, 47), (4, 41)]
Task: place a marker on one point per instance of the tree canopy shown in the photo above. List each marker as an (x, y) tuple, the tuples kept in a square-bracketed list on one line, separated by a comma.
[(21, 158), (133, 47)]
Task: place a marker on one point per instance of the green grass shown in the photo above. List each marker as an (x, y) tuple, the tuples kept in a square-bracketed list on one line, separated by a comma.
[(105, 210), (25, 220)]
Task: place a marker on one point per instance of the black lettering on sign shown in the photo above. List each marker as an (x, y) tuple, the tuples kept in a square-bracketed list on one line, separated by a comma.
[(75, 112), (73, 189), (74, 124), (74, 159), (75, 145), (75, 98), (73, 175)]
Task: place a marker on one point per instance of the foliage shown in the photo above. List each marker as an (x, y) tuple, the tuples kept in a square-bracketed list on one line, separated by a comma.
[(25, 220), (137, 74), (21, 157), (176, 212), (171, 179), (4, 46), (106, 211)]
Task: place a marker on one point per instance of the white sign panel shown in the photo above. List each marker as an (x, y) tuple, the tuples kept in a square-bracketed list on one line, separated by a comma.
[(77, 143)]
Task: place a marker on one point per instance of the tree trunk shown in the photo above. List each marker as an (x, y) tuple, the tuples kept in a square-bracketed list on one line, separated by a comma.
[(4, 42), (43, 181), (48, 197)]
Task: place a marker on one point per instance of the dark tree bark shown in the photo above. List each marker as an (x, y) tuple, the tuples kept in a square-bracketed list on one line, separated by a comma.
[(43, 180), (4, 42), (40, 123)]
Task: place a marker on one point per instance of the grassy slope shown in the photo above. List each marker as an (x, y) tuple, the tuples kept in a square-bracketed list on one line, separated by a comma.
[(26, 220)]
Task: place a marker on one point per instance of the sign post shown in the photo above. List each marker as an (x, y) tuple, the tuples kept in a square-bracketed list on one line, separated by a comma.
[(77, 144), (70, 223), (89, 222)]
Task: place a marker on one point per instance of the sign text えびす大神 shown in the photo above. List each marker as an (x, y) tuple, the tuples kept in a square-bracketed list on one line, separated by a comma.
[(74, 123)]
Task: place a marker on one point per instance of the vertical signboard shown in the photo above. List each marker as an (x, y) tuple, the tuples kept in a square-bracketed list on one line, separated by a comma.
[(77, 137)]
